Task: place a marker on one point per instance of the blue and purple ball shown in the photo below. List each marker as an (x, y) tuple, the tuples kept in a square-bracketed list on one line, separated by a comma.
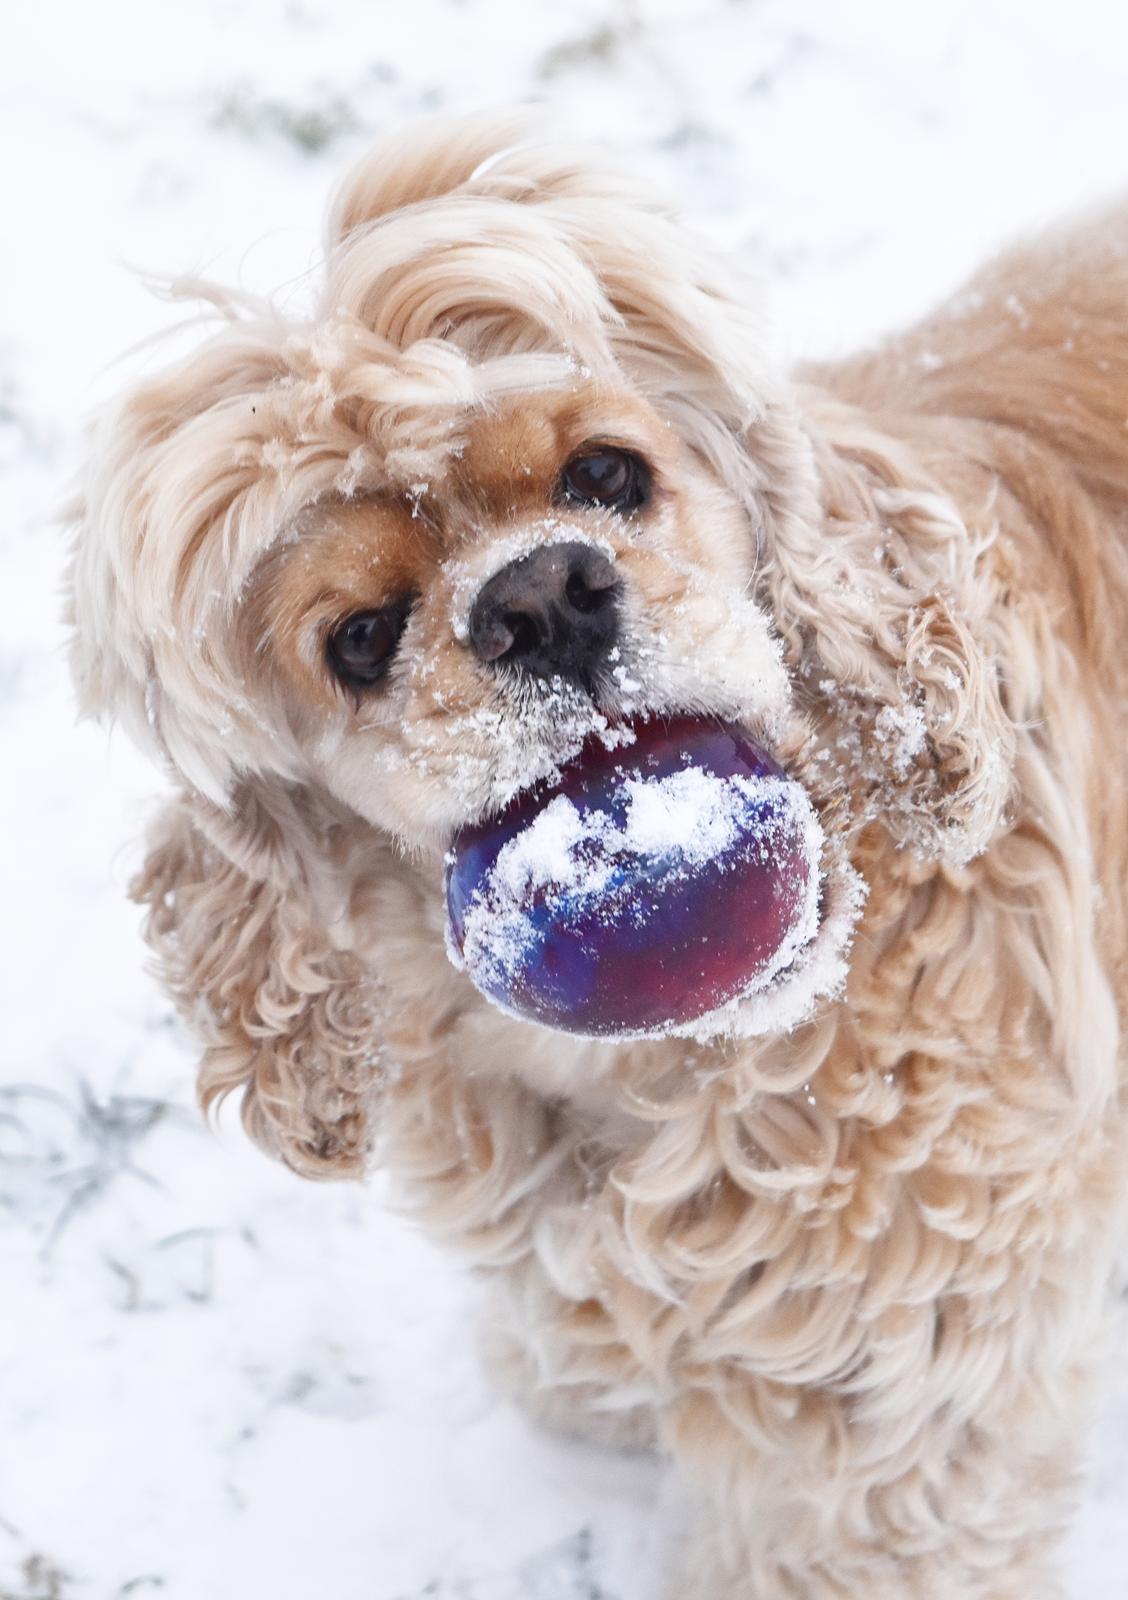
[(651, 885)]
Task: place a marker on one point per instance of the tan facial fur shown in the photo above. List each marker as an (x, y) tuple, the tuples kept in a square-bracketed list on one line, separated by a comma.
[(447, 736)]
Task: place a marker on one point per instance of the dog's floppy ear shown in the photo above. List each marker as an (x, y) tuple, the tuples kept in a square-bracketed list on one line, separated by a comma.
[(282, 1015), (888, 607), (175, 500)]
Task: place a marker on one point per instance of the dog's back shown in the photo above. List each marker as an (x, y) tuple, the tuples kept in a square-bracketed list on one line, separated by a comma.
[(1015, 393)]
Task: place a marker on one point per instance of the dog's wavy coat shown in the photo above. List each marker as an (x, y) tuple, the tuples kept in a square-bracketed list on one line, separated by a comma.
[(855, 1275)]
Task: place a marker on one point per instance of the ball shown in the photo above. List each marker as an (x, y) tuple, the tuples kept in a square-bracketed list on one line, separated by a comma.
[(652, 884)]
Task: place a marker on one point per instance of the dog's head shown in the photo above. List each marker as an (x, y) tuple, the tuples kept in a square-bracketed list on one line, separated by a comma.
[(524, 473)]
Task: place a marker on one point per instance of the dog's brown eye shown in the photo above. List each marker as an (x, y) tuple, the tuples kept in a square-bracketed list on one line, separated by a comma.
[(616, 479), (360, 650)]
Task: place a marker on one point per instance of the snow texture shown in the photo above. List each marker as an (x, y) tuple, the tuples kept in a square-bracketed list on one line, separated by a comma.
[(220, 1381)]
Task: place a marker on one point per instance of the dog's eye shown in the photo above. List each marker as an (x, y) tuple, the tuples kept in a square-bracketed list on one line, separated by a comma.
[(617, 479), (361, 648)]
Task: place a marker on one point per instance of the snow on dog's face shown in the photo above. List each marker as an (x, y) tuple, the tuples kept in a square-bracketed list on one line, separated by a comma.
[(516, 360), (374, 636)]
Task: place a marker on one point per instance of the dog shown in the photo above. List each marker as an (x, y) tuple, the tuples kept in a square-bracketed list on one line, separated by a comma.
[(851, 1258)]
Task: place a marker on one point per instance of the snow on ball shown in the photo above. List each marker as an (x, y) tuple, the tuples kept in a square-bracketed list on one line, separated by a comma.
[(646, 888)]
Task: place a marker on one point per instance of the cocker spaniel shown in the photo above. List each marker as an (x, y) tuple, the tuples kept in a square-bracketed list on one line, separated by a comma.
[(846, 1248)]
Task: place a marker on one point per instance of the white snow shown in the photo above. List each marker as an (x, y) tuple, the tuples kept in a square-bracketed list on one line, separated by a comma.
[(690, 813), (221, 1382), (902, 733)]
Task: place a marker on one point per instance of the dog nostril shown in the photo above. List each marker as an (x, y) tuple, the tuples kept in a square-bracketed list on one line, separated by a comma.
[(526, 634), (585, 599)]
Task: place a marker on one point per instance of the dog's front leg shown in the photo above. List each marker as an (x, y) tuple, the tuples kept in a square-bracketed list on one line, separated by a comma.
[(973, 1514), (562, 1364)]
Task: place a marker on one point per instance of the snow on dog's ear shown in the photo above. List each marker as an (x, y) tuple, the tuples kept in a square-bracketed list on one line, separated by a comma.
[(282, 1015), (887, 607)]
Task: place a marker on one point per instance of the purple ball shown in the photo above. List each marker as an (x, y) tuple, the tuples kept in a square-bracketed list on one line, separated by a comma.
[(648, 886)]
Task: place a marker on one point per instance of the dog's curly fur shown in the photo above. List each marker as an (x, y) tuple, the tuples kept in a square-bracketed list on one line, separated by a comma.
[(855, 1274)]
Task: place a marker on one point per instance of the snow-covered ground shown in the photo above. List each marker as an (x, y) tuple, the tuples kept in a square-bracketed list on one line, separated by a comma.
[(219, 1382)]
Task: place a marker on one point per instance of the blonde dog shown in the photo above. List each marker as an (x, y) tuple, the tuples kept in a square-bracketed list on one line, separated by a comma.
[(850, 1258)]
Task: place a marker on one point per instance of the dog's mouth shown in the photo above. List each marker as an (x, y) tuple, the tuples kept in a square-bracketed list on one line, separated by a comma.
[(663, 882)]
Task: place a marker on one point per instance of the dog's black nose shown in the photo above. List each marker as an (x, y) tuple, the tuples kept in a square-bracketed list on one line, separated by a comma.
[(553, 613)]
